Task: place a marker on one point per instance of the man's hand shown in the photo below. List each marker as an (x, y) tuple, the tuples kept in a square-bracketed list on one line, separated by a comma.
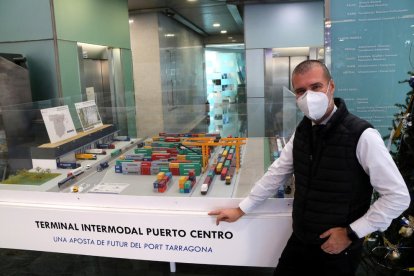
[(337, 241), (229, 215)]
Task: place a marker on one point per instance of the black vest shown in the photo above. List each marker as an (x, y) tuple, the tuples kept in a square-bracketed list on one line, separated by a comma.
[(331, 187)]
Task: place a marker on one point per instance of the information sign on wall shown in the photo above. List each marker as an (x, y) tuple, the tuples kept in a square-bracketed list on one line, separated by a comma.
[(371, 43)]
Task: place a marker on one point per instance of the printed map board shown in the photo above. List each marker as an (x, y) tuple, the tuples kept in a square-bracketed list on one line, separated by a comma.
[(59, 123)]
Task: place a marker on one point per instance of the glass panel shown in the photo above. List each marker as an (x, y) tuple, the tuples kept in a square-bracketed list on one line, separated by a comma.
[(79, 164)]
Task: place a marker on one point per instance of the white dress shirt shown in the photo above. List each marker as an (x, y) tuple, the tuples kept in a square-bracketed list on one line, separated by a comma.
[(375, 160)]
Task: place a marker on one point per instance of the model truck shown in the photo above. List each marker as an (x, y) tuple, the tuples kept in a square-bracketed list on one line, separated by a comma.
[(105, 146), (121, 138), (96, 151), (85, 156), (102, 166), (68, 165), (76, 172)]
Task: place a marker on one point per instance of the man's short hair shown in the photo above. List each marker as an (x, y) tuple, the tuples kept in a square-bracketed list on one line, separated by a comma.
[(307, 65)]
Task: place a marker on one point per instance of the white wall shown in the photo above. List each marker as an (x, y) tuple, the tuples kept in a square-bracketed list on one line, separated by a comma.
[(269, 26), (284, 25)]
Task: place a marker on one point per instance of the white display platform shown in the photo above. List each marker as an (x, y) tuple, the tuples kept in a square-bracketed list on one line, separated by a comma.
[(169, 227)]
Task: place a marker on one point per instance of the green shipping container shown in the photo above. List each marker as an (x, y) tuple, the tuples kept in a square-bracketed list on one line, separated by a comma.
[(144, 151), (164, 169), (119, 162), (194, 157), (185, 170)]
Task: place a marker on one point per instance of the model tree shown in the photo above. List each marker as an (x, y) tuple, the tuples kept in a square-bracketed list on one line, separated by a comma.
[(393, 250)]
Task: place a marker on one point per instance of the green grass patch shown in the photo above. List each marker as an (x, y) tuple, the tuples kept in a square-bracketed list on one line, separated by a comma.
[(30, 178)]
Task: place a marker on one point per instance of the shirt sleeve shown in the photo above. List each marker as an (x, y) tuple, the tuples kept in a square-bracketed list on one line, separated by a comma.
[(277, 174), (385, 179)]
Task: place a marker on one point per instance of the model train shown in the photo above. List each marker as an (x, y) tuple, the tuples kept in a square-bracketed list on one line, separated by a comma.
[(66, 179), (71, 175), (208, 180)]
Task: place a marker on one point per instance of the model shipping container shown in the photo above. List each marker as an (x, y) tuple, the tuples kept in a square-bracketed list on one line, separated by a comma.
[(68, 165), (121, 138), (85, 156), (131, 167), (96, 151), (105, 146)]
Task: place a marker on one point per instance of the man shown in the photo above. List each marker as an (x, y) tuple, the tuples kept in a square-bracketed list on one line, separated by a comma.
[(337, 159)]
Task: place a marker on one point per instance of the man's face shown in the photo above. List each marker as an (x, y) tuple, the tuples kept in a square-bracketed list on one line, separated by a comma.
[(314, 80)]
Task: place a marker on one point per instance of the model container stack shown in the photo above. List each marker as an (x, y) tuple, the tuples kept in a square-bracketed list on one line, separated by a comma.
[(186, 183), (161, 154), (226, 165), (163, 182)]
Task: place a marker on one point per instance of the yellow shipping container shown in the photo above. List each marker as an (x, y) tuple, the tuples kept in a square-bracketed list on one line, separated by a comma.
[(160, 175)]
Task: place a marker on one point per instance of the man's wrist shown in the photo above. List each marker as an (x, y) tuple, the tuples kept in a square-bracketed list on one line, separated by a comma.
[(351, 234), (241, 212)]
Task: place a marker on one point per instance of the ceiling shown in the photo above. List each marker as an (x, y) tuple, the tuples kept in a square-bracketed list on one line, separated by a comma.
[(200, 15)]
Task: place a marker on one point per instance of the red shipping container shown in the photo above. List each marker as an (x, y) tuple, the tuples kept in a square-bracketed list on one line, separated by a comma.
[(172, 150), (145, 170), (175, 171), (172, 139), (191, 173), (160, 156), (223, 173)]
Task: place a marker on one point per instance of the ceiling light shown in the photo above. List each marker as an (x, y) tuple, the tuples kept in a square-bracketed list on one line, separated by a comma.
[(131, 21), (191, 0), (169, 35), (216, 25), (230, 37), (223, 31)]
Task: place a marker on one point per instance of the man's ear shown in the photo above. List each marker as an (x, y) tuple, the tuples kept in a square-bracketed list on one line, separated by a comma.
[(332, 88)]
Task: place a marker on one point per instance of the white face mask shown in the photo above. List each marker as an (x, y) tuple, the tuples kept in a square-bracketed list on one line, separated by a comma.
[(313, 104)]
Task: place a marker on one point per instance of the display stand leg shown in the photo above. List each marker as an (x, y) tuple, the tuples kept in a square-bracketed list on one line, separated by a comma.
[(172, 267)]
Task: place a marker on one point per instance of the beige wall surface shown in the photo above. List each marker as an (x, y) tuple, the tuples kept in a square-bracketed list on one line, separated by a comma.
[(147, 80), (169, 77)]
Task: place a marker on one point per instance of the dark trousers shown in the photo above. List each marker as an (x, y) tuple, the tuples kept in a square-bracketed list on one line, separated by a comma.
[(299, 258)]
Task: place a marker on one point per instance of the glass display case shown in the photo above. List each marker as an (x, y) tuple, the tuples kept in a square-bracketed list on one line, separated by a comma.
[(104, 193)]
